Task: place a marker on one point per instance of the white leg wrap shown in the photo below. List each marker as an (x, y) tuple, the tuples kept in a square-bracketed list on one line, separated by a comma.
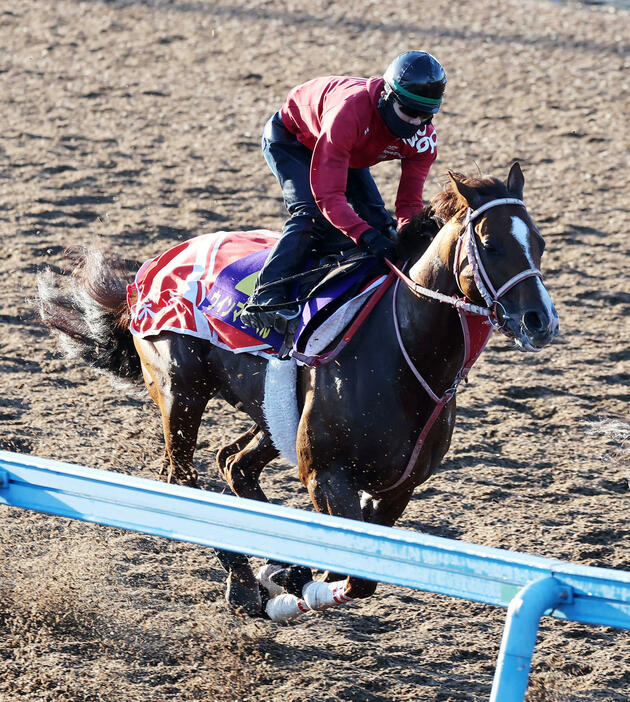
[(263, 576), (285, 607), (318, 595), (315, 596)]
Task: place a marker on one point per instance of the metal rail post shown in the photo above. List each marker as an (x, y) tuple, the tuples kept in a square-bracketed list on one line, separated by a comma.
[(519, 636)]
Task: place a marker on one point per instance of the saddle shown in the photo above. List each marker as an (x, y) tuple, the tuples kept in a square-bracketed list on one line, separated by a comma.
[(330, 294), (201, 286), (334, 299)]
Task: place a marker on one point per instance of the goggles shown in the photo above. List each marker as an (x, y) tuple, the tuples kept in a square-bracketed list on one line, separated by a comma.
[(426, 117)]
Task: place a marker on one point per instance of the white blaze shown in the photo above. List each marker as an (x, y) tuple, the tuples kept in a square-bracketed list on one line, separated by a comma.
[(521, 233)]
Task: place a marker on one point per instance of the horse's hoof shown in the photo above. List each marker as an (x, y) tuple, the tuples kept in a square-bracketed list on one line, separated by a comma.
[(243, 593), (292, 579), (330, 577), (264, 578)]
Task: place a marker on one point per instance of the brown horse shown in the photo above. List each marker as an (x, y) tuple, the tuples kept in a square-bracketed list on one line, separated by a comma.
[(376, 423)]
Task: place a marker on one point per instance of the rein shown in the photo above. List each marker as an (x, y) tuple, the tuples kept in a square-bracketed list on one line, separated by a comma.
[(461, 303), (469, 315)]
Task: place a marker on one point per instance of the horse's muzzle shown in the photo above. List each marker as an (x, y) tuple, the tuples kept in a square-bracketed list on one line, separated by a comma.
[(537, 328)]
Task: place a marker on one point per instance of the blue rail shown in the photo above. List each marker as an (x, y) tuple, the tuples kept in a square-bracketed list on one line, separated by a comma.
[(529, 586)]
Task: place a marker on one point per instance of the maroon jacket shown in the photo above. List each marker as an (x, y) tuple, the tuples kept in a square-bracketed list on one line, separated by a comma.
[(336, 117)]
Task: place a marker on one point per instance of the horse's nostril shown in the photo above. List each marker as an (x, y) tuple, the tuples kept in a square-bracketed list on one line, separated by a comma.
[(534, 322)]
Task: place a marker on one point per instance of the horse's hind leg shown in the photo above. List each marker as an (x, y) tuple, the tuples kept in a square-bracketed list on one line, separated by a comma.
[(230, 449), (179, 382), (242, 462)]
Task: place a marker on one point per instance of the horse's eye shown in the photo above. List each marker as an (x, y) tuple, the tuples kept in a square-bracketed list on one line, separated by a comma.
[(491, 250)]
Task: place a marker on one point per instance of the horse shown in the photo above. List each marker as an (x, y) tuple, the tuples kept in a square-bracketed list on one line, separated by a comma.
[(375, 424)]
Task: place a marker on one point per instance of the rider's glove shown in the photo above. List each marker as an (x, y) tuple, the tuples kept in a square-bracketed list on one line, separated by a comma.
[(377, 244), (390, 232)]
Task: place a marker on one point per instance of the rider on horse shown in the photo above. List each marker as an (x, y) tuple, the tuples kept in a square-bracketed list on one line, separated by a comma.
[(320, 146)]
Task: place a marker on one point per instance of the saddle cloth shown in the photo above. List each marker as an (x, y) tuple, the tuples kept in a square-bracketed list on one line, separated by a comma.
[(199, 287)]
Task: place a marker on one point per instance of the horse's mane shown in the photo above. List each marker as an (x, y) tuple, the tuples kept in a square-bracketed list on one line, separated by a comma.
[(415, 237), (449, 203)]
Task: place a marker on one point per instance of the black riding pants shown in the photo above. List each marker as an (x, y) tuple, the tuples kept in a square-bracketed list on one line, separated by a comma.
[(307, 233)]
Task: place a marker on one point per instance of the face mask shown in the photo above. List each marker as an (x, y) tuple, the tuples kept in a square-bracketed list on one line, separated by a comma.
[(397, 126)]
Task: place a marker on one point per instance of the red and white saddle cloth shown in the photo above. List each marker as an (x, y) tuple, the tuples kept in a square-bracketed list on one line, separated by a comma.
[(200, 288), (177, 291)]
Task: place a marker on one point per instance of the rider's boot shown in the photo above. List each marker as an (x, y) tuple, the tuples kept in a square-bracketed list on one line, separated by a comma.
[(284, 320), (272, 305), (271, 312)]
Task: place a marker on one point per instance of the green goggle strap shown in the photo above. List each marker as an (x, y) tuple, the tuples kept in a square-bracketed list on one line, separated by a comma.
[(415, 98)]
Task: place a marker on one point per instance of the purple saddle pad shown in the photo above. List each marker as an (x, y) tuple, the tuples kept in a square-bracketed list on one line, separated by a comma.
[(236, 282)]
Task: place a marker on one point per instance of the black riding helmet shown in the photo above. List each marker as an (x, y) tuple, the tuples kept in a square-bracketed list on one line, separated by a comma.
[(417, 80)]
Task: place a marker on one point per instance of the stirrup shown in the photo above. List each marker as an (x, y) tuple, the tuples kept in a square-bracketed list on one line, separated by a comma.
[(256, 317), (288, 327), (286, 318), (284, 321)]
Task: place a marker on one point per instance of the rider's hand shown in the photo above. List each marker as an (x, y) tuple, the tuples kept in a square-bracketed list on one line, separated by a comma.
[(377, 244), (390, 232)]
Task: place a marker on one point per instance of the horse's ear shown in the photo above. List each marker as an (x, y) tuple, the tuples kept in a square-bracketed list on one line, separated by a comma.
[(515, 181), (470, 195)]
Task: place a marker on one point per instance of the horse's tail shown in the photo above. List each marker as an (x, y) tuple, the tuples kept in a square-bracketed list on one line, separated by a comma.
[(88, 311)]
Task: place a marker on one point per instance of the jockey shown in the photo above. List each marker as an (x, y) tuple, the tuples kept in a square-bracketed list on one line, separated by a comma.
[(320, 145)]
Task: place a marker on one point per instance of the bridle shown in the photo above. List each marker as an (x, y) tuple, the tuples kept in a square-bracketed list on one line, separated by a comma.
[(467, 241), (482, 279)]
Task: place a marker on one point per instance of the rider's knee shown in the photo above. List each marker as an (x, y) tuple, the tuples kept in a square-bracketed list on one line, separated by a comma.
[(308, 220), (306, 212)]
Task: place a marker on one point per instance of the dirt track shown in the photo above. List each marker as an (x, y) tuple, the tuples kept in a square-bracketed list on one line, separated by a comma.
[(136, 124)]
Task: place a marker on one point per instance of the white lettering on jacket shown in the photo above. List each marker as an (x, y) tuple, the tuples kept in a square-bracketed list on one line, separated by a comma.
[(421, 141)]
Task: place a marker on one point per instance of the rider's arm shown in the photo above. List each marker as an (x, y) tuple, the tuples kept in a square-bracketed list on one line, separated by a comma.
[(414, 171), (329, 175)]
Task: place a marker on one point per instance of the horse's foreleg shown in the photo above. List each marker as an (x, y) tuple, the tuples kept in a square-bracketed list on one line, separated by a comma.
[(332, 491), (385, 511)]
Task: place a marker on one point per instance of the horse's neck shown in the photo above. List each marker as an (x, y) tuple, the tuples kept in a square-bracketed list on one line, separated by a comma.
[(434, 268), (430, 330)]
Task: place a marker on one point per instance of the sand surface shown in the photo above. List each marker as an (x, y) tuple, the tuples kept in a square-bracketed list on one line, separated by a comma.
[(134, 125)]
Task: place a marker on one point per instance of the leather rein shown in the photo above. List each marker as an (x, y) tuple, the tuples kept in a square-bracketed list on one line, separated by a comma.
[(471, 316)]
